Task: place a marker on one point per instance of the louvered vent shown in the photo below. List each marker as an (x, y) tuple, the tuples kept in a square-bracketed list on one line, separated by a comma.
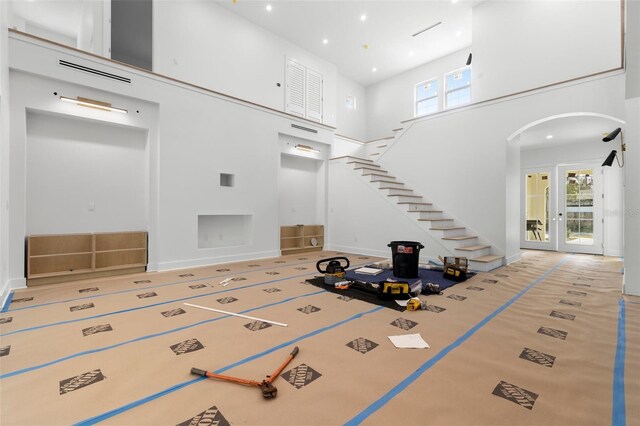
[(314, 95), (94, 71), (295, 89)]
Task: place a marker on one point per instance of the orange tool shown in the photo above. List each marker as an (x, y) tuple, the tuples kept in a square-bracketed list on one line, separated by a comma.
[(268, 390)]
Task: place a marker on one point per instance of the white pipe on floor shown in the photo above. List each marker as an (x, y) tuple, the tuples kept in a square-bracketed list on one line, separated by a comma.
[(237, 315)]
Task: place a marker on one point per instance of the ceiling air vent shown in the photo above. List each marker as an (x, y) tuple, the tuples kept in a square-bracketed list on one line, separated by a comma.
[(306, 129), (94, 71)]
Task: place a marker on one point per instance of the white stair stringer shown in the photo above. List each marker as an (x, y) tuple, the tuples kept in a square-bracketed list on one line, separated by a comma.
[(452, 235)]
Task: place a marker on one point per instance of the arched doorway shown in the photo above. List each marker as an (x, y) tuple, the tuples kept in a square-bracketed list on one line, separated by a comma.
[(567, 200)]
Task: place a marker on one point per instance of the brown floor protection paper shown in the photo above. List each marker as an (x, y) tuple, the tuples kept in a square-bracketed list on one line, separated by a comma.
[(532, 343)]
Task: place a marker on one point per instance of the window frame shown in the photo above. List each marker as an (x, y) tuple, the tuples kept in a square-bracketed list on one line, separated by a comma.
[(415, 97), (447, 91)]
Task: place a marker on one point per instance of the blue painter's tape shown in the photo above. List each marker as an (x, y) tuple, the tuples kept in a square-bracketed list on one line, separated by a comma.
[(7, 302), (375, 406), (105, 416), (146, 337), (139, 402), (149, 287), (619, 412)]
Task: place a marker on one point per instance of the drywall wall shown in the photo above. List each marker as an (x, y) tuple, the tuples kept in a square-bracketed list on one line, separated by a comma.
[(391, 101), (84, 176), (526, 44), (459, 159), (194, 135), (343, 146), (351, 109), (207, 45), (362, 219), (612, 178), (4, 150), (298, 190)]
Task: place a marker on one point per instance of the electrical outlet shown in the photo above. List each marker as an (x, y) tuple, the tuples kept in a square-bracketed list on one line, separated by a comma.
[(92, 206)]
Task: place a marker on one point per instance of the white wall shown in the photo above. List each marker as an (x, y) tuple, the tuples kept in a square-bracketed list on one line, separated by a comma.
[(4, 150), (194, 136), (351, 122), (298, 190), (632, 167), (589, 152), (520, 45), (391, 101), (204, 44), (458, 159), (363, 220), (75, 165)]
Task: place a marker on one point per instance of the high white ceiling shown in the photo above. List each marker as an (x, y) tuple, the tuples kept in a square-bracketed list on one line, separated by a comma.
[(387, 31), (568, 130)]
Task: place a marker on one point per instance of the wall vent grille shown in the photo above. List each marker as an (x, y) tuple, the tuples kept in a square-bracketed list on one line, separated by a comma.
[(306, 129), (94, 71)]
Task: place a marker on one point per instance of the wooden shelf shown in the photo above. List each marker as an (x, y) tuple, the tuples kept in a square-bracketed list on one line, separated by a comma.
[(297, 238), (66, 257)]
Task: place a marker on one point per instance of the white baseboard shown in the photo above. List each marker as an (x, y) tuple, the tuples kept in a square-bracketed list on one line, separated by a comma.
[(379, 253), (206, 261), (514, 258), (613, 253), (9, 286)]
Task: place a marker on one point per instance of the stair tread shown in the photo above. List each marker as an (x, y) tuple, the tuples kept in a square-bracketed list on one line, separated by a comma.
[(397, 189), (370, 168), (435, 220), (461, 238), (404, 195), (413, 202), (425, 211), (447, 229), (364, 162), (354, 157), (488, 258), (378, 174), (387, 181), (472, 248)]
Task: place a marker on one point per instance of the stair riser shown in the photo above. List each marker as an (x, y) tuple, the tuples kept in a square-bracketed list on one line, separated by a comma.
[(424, 215), (485, 267), (376, 175), (400, 199), (473, 253), (389, 185), (363, 164), (454, 244), (446, 233)]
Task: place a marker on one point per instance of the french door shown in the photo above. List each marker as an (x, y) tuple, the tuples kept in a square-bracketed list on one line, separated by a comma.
[(562, 209), (539, 204), (580, 213)]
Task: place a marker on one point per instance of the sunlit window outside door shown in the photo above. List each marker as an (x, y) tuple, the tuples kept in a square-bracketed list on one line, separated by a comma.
[(579, 207)]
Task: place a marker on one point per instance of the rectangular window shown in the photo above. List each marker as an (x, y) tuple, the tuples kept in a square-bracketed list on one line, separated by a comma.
[(426, 97), (458, 88)]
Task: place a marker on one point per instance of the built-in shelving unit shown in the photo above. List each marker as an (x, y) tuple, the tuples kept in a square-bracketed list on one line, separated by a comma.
[(68, 257), (301, 238)]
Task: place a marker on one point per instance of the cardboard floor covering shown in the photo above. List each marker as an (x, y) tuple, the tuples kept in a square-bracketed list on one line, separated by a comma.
[(537, 342)]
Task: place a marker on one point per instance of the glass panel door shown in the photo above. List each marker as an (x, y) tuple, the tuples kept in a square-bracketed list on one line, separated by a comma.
[(580, 213), (539, 219)]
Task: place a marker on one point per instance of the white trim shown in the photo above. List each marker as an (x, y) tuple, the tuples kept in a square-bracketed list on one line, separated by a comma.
[(444, 98), (208, 261), (557, 116), (415, 97)]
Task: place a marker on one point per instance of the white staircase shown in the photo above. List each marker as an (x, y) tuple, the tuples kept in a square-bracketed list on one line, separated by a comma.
[(453, 236)]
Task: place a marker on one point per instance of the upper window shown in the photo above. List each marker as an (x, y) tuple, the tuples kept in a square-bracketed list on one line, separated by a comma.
[(426, 97), (458, 88)]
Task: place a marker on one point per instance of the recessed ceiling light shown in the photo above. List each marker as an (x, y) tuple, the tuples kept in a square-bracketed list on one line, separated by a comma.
[(363, 17), (410, 53), (549, 136), (325, 41), (269, 8), (454, 1), (459, 33), (374, 69)]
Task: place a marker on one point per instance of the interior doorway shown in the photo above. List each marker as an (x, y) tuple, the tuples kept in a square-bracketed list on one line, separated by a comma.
[(568, 201), (563, 208)]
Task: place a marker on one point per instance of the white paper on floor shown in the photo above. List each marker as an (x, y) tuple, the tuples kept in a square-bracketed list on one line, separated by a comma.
[(409, 341)]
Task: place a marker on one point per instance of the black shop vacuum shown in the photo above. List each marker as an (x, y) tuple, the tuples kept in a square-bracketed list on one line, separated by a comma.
[(334, 270)]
